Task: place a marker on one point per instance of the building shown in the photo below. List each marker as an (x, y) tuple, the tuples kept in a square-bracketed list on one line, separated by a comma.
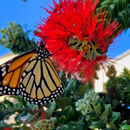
[(6, 57), (119, 62)]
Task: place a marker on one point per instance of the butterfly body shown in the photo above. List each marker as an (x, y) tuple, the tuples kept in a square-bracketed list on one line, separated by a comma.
[(31, 75)]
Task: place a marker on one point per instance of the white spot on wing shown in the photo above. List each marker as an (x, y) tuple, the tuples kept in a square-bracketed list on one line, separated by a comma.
[(4, 73), (3, 69)]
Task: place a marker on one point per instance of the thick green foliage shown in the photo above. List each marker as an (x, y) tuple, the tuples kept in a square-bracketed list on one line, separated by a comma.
[(93, 112), (118, 88), (116, 9), (16, 39), (99, 115)]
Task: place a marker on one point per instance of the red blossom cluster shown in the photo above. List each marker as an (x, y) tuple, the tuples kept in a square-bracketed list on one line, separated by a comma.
[(77, 36)]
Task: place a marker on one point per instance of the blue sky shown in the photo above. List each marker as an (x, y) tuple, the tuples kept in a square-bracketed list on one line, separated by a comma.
[(29, 13)]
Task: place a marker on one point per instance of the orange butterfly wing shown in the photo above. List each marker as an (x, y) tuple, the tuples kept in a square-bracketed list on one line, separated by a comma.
[(11, 72), (40, 83)]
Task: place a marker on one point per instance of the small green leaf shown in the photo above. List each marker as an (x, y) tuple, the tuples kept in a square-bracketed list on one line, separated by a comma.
[(114, 103), (82, 90), (69, 112), (51, 108), (125, 127), (115, 118), (80, 125), (105, 114), (103, 105), (106, 2), (69, 88), (124, 122), (73, 125), (66, 110), (116, 9), (93, 118), (64, 127), (62, 120), (98, 124), (98, 108), (110, 113), (7, 102), (63, 102), (22, 101)]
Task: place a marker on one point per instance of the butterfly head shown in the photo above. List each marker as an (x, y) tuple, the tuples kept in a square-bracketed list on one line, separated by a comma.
[(42, 51)]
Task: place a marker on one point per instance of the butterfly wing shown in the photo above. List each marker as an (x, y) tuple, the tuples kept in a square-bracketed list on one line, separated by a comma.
[(40, 83), (11, 72)]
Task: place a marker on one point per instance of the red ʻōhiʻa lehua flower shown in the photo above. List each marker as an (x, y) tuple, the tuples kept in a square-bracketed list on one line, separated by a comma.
[(77, 35)]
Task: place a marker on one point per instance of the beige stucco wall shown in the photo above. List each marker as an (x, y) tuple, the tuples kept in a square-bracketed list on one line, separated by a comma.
[(6, 57), (119, 62)]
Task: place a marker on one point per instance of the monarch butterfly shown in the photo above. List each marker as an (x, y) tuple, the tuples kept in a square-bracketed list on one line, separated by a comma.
[(31, 75)]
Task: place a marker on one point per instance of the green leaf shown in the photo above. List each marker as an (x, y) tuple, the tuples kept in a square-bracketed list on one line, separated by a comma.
[(8, 103), (98, 124), (111, 10), (63, 102), (22, 101), (76, 125), (69, 88), (110, 113), (125, 127), (104, 7), (52, 107), (106, 2), (82, 90), (94, 118), (121, 18), (81, 125), (98, 108), (116, 9), (64, 127), (72, 123), (102, 104), (114, 103), (105, 114), (66, 109), (115, 118), (124, 122), (68, 112), (62, 120)]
